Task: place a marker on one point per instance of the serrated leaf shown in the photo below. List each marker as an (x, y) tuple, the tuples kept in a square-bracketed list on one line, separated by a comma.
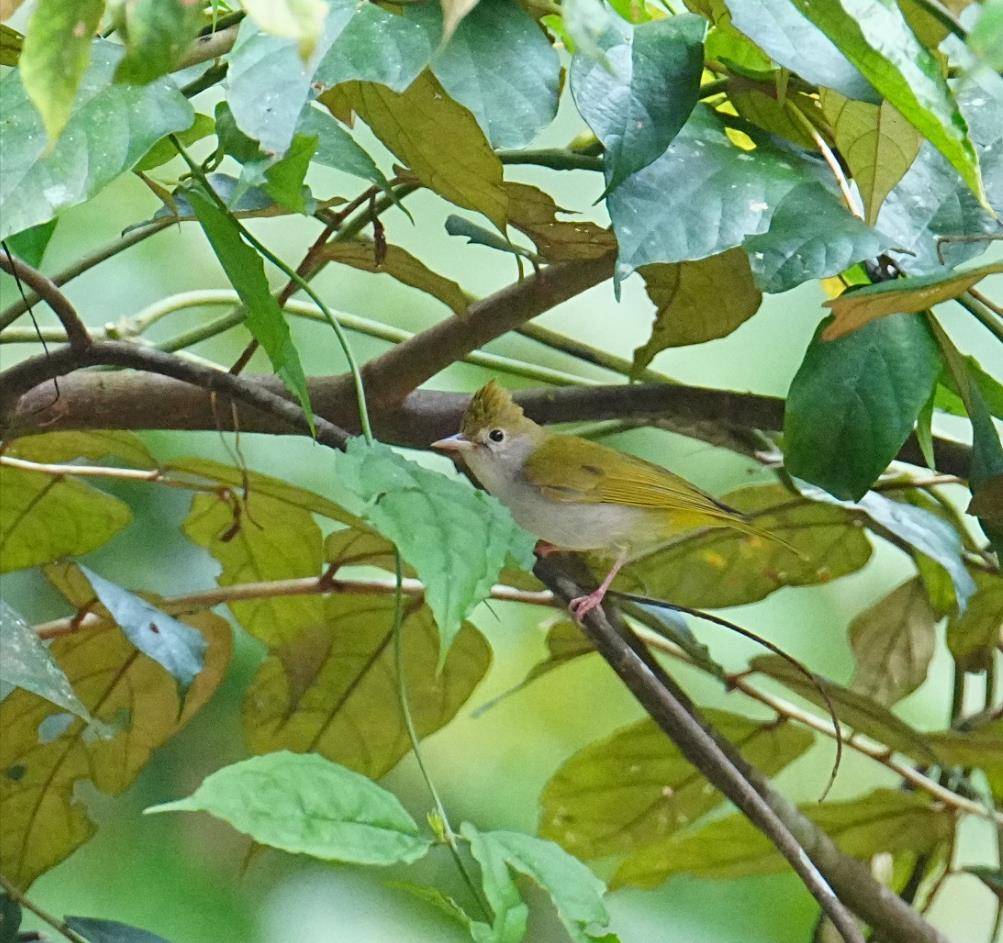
[(399, 264), (893, 643), (697, 301), (718, 568), (853, 402), (299, 20), (876, 142), (304, 804), (110, 931), (852, 708), (635, 787), (43, 517), (456, 538), (111, 127), (639, 95), (246, 272), (40, 821), (332, 689), (534, 213), (882, 821), (157, 34), (975, 634), (60, 447), (412, 124)]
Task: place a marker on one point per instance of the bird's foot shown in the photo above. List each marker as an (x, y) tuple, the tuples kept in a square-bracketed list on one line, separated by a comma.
[(544, 549), (581, 606)]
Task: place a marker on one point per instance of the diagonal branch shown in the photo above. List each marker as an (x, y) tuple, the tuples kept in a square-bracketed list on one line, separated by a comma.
[(48, 292)]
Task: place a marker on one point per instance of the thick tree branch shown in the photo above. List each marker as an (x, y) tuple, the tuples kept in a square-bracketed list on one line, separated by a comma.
[(48, 292)]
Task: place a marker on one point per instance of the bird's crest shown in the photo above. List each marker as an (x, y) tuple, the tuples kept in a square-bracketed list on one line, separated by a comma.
[(491, 405)]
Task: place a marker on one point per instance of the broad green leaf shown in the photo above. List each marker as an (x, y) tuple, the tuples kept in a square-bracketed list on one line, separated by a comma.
[(702, 196), (697, 301), (760, 103), (43, 517), (337, 148), (164, 150), (717, 568), (299, 20), (246, 272), (455, 537), (30, 245), (110, 129), (893, 642), (401, 265), (638, 97), (885, 820), (283, 179), (176, 647), (157, 34), (986, 36), (11, 43), (875, 37), (41, 821), (854, 309), (948, 400), (412, 124), (576, 892), (811, 235), (27, 664), (974, 635), (853, 402), (55, 55), (304, 804), (876, 142), (60, 447), (332, 689), (500, 66), (635, 787), (110, 931), (534, 213), (795, 42), (852, 708)]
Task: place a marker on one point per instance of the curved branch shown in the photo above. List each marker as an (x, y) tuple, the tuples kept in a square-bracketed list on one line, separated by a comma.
[(49, 292)]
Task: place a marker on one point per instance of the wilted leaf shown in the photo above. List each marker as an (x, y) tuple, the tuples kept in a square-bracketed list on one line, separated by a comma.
[(110, 931), (43, 517), (304, 804), (414, 123), (893, 642), (299, 20), (697, 301), (635, 787), (716, 568), (399, 264), (157, 34), (885, 820), (332, 689), (60, 447), (974, 635), (41, 822), (534, 213), (876, 142)]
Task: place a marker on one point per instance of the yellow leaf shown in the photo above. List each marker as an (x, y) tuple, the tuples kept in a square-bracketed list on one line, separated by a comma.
[(58, 447)]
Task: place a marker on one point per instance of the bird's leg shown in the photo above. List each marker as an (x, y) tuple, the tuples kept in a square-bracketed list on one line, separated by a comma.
[(581, 606)]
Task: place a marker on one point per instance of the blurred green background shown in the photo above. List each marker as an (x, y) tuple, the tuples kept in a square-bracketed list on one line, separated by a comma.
[(180, 876)]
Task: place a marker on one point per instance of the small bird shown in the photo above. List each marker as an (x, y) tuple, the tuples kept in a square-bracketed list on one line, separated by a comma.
[(579, 495)]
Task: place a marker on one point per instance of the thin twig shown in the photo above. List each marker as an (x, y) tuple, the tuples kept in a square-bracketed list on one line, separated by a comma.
[(58, 925), (852, 204), (153, 475), (48, 291), (975, 307)]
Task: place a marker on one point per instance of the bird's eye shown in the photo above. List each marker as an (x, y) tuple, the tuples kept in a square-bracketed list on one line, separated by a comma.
[(497, 435)]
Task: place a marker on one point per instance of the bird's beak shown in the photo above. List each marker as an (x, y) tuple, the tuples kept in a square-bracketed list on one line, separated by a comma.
[(454, 443)]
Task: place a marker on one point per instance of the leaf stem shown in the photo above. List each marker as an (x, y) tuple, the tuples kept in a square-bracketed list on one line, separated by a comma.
[(556, 158), (973, 306), (58, 925)]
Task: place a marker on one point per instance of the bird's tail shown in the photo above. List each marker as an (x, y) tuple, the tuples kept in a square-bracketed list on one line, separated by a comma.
[(738, 521)]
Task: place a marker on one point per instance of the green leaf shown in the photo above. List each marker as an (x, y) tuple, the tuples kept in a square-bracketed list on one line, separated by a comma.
[(638, 97), (110, 129), (876, 142), (10, 918), (986, 36), (27, 664), (157, 35), (947, 399), (299, 20), (455, 537), (893, 642), (885, 820), (55, 55), (576, 892), (332, 689), (534, 214), (439, 900), (697, 301), (283, 179), (43, 517), (982, 748), (304, 804), (246, 272), (635, 787), (164, 150), (481, 236), (853, 402), (337, 148), (975, 634), (176, 647), (60, 447), (760, 103), (11, 43), (31, 244), (795, 42), (718, 568), (811, 235), (853, 709), (854, 309), (875, 37), (110, 931)]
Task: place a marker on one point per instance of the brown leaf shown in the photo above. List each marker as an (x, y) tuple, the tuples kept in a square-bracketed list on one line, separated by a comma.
[(974, 636), (534, 213)]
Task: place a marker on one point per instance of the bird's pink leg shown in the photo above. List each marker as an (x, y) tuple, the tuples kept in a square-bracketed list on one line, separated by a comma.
[(581, 606)]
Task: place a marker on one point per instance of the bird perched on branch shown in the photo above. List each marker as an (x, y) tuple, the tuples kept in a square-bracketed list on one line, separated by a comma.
[(579, 495)]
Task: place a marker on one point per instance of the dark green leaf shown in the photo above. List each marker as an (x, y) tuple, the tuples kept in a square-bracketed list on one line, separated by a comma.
[(10, 918), (638, 97), (283, 179), (110, 129), (337, 148), (974, 635), (854, 401), (177, 647), (480, 236), (304, 804), (164, 150), (110, 931), (246, 272), (157, 34), (31, 244)]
